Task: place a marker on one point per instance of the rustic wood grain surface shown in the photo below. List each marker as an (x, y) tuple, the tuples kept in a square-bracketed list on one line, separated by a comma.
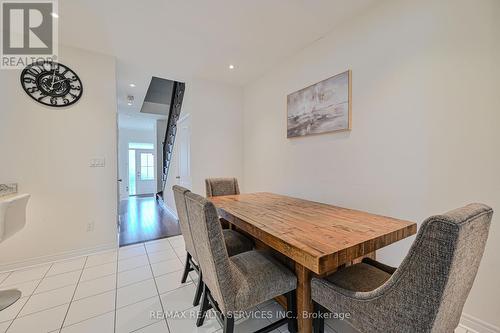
[(317, 237)]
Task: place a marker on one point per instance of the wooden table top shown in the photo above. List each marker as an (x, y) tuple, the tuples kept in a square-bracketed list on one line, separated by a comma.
[(320, 237)]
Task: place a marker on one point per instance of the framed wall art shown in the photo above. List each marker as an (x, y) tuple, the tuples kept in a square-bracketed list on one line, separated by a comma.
[(323, 107)]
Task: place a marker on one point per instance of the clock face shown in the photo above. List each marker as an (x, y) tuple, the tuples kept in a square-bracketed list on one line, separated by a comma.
[(51, 83)]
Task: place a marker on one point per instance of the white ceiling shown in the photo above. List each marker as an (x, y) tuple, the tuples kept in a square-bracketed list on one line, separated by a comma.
[(126, 121), (182, 39)]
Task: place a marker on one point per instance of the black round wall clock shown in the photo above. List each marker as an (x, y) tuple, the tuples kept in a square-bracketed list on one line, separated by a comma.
[(51, 83)]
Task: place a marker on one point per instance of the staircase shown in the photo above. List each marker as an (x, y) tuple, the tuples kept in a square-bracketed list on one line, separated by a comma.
[(168, 142)]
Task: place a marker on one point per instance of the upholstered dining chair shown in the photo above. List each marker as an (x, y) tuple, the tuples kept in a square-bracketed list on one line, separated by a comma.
[(234, 241), (428, 290), (221, 186), (238, 283), (215, 187)]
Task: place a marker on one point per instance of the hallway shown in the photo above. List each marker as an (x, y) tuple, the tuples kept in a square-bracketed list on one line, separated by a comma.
[(144, 219)]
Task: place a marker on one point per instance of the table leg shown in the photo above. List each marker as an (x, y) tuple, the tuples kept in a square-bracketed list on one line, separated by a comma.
[(304, 300)]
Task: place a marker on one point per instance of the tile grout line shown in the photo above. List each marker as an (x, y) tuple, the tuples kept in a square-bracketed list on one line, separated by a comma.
[(73, 296), (130, 284), (50, 276), (101, 293), (78, 282), (176, 257), (143, 255), (140, 328), (50, 307), (57, 262), (104, 292), (38, 311), (34, 266), (50, 266), (81, 321), (29, 297), (156, 286), (104, 263), (54, 289), (13, 285), (133, 257), (142, 300), (86, 267), (5, 278), (29, 267)]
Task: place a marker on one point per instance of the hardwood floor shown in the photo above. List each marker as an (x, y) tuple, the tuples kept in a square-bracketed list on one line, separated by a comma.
[(143, 219)]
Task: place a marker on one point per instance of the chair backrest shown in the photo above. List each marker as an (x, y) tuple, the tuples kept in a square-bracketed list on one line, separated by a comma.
[(211, 249), (180, 204), (221, 186), (432, 284)]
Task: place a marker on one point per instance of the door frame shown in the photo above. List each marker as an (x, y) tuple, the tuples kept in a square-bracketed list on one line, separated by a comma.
[(138, 175), (179, 181)]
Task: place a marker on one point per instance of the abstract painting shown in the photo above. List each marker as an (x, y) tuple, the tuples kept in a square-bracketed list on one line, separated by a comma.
[(320, 108)]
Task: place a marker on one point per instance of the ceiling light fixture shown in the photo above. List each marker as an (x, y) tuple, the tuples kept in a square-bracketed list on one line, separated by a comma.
[(54, 15), (132, 85), (130, 99), (231, 66)]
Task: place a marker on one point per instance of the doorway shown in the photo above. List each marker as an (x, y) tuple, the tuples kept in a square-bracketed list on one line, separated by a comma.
[(146, 137), (141, 169), (142, 216)]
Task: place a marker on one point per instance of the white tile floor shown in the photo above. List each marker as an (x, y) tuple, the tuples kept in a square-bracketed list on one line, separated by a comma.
[(115, 291)]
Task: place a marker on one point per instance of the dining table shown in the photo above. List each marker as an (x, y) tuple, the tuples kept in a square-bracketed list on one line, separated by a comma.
[(316, 239)]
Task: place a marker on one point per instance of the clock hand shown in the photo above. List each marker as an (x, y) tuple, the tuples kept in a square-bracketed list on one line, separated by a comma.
[(53, 78), (61, 80)]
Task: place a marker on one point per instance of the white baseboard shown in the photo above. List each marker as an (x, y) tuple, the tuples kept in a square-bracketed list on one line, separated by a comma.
[(56, 257), (168, 209), (475, 325), (171, 211)]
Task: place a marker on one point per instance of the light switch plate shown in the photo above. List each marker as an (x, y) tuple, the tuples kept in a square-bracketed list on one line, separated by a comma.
[(97, 163)]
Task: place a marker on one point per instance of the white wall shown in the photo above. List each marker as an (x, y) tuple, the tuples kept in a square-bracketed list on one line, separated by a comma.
[(426, 110), (47, 151), (216, 134), (125, 136)]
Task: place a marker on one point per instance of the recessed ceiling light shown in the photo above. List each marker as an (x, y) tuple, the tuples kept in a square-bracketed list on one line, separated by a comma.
[(132, 85), (231, 66), (54, 15)]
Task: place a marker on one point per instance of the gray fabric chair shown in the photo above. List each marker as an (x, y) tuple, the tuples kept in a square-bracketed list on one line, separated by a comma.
[(221, 186), (234, 241), (215, 187), (237, 283), (428, 290)]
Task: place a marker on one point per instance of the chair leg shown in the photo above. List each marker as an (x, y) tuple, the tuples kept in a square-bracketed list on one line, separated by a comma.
[(228, 324), (187, 268), (203, 307), (199, 290), (291, 305), (319, 320)]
